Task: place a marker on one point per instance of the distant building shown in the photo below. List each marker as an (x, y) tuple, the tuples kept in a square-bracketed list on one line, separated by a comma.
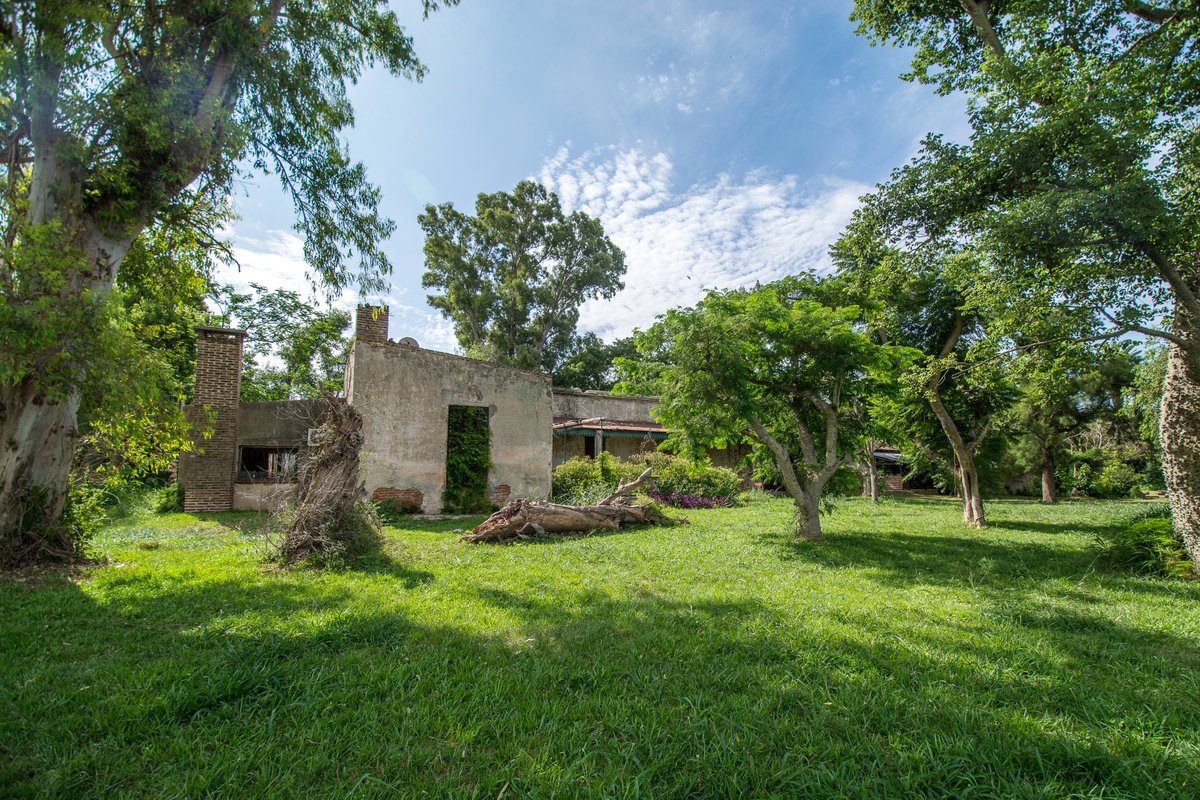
[(405, 394)]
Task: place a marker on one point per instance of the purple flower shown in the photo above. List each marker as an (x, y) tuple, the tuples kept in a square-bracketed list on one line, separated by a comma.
[(687, 500)]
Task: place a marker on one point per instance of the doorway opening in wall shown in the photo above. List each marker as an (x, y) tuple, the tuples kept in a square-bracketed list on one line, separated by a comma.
[(589, 445), (468, 459)]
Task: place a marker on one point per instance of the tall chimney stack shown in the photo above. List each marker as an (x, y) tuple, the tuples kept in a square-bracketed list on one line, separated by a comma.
[(371, 324), (206, 475)]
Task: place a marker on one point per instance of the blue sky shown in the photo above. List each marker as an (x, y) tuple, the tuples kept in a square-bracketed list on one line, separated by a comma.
[(719, 143)]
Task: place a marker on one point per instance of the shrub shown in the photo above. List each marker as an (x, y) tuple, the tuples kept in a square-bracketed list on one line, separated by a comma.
[(1116, 480), (686, 478), (1149, 547), (687, 500), (169, 500), (586, 480)]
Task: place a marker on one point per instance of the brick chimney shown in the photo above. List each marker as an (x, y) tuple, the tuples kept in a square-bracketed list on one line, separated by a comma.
[(371, 324), (207, 477)]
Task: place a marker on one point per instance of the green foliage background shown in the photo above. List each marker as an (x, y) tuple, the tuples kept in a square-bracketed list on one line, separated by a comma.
[(468, 459)]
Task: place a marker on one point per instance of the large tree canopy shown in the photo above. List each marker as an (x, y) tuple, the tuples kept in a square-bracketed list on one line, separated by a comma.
[(780, 364), (112, 115), (513, 276), (1081, 174)]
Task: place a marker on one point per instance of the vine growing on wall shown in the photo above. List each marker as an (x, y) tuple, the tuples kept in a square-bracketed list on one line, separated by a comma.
[(468, 459)]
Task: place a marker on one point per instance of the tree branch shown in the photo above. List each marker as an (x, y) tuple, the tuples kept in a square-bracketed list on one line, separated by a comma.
[(978, 11), (1159, 16), (783, 459)]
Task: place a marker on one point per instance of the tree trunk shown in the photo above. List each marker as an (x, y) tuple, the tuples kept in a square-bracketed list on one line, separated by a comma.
[(968, 473), (1049, 491), (871, 487), (332, 519), (1180, 434), (808, 514), (973, 515), (38, 429), (38, 435), (523, 519)]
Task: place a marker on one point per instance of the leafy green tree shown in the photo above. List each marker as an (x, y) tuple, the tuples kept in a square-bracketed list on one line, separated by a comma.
[(775, 361), (1142, 405), (513, 276), (292, 349), (1065, 386), (952, 382), (112, 116), (1081, 172), (592, 365)]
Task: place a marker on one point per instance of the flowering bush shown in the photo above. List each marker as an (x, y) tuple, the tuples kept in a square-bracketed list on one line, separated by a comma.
[(688, 500)]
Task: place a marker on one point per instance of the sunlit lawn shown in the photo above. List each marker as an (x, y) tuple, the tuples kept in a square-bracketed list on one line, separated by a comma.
[(903, 656)]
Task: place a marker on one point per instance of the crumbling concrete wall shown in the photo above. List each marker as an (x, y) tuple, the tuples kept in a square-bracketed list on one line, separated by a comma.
[(588, 405), (273, 424), (279, 423), (404, 394)]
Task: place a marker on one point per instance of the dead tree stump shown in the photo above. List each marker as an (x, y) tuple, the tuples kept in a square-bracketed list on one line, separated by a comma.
[(524, 518), (332, 517)]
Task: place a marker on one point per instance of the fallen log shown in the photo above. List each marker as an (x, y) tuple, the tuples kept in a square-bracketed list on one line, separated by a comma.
[(522, 519)]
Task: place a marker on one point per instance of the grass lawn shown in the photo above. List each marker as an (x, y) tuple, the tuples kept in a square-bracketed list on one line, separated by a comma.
[(903, 656)]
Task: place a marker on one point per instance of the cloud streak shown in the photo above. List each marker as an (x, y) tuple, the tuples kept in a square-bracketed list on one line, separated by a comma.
[(731, 232), (274, 259)]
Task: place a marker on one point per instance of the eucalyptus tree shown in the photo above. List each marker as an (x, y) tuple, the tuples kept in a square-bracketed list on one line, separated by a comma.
[(775, 362), (513, 276), (112, 115), (1082, 169)]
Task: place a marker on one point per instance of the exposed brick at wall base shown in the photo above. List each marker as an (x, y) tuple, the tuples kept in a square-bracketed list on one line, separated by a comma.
[(197, 501), (404, 498), (371, 324), (500, 494)]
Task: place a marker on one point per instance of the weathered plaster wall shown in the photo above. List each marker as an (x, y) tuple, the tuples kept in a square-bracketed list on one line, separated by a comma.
[(404, 394), (281, 423), (567, 447), (587, 405), (263, 496)]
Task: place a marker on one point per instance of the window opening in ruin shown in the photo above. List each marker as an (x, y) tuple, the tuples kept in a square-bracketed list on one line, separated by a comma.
[(589, 445), (267, 463), (468, 459)]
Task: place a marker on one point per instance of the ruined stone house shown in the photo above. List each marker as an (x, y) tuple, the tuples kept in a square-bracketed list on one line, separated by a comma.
[(404, 393)]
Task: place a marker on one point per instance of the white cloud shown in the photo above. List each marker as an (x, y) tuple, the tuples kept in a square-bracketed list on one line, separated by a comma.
[(274, 259), (728, 233)]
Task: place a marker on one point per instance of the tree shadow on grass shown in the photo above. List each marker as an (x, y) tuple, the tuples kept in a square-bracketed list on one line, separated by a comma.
[(163, 684)]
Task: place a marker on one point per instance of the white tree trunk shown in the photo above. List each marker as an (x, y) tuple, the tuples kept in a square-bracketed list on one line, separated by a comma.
[(38, 435), (1180, 435)]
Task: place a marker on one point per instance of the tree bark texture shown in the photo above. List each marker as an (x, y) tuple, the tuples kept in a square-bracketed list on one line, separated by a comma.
[(968, 473), (1180, 436), (523, 519), (1049, 490), (806, 495), (37, 440), (332, 517), (871, 489)]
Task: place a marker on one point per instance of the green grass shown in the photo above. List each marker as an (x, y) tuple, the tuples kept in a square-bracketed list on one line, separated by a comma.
[(903, 656)]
